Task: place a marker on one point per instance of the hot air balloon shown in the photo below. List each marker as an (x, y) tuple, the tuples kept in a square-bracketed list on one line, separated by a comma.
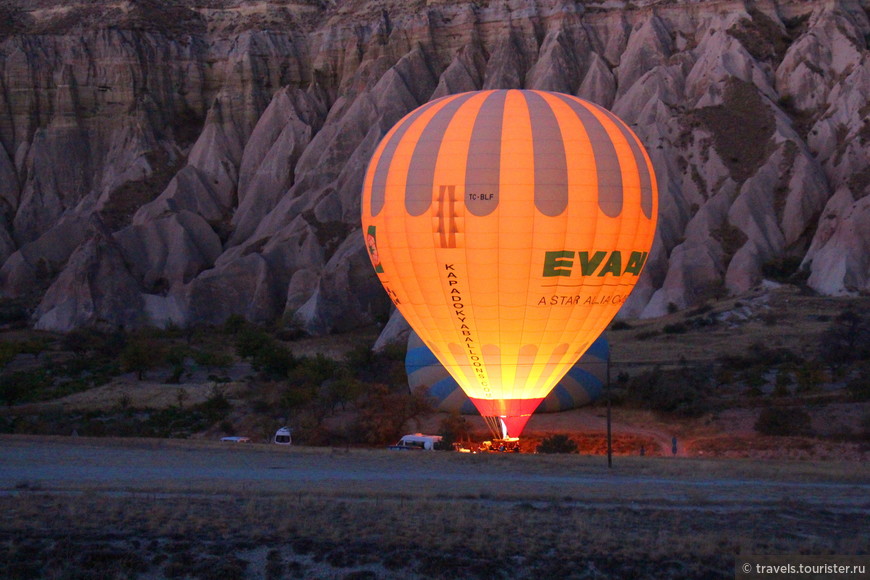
[(508, 227), (581, 385)]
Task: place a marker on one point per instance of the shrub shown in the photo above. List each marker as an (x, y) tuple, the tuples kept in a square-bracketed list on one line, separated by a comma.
[(211, 359), (384, 413), (234, 324), (700, 310), (859, 387), (142, 355), (783, 382), (84, 342), (249, 341), (847, 339), (865, 426), (676, 328), (783, 421), (296, 396), (8, 351), (758, 354), (783, 270), (342, 391), (12, 311), (810, 376), (678, 392), (647, 334), (274, 361), (176, 357), (558, 443)]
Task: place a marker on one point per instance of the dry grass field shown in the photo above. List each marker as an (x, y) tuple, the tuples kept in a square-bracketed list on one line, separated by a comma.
[(106, 508), (776, 317)]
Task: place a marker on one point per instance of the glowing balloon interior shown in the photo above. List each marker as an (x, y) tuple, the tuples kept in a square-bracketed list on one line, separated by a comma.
[(508, 227), (582, 384)]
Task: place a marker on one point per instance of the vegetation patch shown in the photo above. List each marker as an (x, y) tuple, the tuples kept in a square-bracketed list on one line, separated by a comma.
[(783, 421), (761, 36), (123, 202), (559, 443), (742, 127)]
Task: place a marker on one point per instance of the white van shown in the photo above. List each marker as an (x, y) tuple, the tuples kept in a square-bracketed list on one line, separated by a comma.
[(417, 442), (282, 437)]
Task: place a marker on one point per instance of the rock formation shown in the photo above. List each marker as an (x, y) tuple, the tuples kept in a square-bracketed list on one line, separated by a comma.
[(180, 161)]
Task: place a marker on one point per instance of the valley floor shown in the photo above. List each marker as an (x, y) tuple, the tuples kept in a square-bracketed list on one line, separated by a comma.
[(168, 508)]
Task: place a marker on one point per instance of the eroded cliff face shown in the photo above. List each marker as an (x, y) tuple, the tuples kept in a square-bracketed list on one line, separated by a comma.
[(184, 161)]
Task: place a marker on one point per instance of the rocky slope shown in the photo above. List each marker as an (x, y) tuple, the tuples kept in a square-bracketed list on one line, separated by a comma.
[(182, 161)]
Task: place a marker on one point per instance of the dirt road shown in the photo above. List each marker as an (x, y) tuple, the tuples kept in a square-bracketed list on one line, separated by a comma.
[(143, 465), (185, 508)]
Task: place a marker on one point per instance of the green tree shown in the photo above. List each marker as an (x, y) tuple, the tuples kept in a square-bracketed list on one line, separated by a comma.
[(680, 392), (453, 429), (810, 376), (141, 355), (274, 360), (213, 360), (859, 386), (847, 339), (783, 421), (783, 382), (383, 413), (559, 443), (343, 391), (249, 341), (176, 357)]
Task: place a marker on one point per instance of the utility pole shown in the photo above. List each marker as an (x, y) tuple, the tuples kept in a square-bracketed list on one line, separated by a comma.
[(609, 441)]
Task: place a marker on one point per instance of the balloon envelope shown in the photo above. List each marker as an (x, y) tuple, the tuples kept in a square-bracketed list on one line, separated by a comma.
[(508, 227), (581, 385)]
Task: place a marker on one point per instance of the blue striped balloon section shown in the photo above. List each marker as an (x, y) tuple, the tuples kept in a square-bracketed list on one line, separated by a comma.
[(581, 385)]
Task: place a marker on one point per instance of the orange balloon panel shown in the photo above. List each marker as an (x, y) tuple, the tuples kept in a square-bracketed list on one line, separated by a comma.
[(509, 227)]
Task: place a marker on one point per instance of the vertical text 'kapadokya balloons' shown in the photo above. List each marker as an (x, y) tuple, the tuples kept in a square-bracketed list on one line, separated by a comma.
[(508, 227)]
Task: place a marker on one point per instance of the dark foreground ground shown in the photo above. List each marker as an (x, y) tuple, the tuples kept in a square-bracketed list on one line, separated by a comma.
[(97, 508)]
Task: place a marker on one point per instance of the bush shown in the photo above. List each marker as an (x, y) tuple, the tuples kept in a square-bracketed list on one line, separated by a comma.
[(250, 341), (676, 328), (784, 270), (142, 355), (647, 334), (810, 376), (847, 339), (8, 351), (865, 426), (759, 355), (12, 311), (234, 324), (783, 422), (93, 342), (216, 407), (385, 413), (209, 359), (680, 392), (859, 387), (558, 443)]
